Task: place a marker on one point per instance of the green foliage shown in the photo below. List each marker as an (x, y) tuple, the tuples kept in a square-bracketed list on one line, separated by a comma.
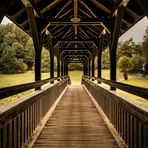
[(30, 54), (124, 64), (75, 66), (15, 41), (10, 64), (45, 61), (105, 59), (136, 63), (128, 48)]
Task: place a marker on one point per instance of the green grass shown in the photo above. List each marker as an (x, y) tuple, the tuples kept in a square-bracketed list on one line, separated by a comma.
[(15, 79), (136, 81), (75, 76)]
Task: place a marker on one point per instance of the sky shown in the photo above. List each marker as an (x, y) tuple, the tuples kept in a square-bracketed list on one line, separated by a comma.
[(136, 32)]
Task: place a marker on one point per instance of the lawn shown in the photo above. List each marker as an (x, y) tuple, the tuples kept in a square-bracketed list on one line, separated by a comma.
[(14, 79)]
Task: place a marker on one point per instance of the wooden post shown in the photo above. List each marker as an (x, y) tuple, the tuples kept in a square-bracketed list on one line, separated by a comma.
[(114, 43), (62, 68), (100, 57), (86, 68), (36, 41), (58, 67), (84, 71), (89, 68), (65, 69), (93, 67)]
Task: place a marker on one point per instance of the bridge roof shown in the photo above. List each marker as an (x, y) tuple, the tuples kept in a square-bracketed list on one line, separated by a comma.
[(74, 24)]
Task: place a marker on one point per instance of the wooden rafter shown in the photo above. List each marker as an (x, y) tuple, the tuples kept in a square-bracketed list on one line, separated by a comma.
[(84, 4), (60, 29), (50, 6), (85, 13), (83, 32), (70, 29), (66, 5), (100, 6)]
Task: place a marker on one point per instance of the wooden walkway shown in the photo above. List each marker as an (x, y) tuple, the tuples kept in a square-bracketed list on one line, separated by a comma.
[(75, 123)]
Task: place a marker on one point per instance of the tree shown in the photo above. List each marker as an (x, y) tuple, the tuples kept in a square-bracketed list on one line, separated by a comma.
[(20, 35), (45, 61), (10, 64), (29, 54), (136, 63), (105, 59), (124, 64), (145, 49)]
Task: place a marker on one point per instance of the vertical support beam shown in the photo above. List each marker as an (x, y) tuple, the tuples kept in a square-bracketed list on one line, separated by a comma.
[(89, 68), (114, 43), (51, 56), (36, 41), (86, 68), (84, 71), (93, 67), (62, 68), (65, 68), (58, 67), (99, 75)]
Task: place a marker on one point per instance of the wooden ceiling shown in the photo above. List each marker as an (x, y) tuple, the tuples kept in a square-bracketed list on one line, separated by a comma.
[(75, 25)]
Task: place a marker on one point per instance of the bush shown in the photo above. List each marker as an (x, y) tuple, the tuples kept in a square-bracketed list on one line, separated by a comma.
[(124, 64), (105, 59), (137, 63), (10, 64)]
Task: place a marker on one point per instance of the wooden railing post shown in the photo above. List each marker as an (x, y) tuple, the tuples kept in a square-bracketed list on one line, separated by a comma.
[(114, 43), (36, 40), (93, 67), (58, 67), (99, 54)]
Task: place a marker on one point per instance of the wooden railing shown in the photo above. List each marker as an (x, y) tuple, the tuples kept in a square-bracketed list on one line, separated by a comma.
[(139, 91), (129, 118), (12, 90), (19, 118)]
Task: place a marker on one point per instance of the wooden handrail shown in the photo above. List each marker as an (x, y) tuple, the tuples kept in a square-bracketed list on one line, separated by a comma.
[(139, 91), (12, 90), (20, 118), (128, 116)]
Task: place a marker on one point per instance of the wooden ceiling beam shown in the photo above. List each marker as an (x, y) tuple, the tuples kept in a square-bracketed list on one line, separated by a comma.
[(92, 13), (75, 8), (116, 5), (50, 6), (70, 29), (65, 6), (100, 6), (67, 20)]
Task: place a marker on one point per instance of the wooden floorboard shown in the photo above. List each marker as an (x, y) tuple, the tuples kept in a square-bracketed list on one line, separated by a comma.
[(75, 123)]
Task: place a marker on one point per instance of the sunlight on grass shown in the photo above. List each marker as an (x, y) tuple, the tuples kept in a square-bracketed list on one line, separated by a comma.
[(136, 81), (75, 76)]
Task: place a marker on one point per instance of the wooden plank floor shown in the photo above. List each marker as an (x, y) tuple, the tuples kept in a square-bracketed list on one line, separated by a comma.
[(75, 123)]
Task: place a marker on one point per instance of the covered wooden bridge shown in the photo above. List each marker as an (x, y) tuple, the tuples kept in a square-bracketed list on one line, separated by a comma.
[(63, 115)]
